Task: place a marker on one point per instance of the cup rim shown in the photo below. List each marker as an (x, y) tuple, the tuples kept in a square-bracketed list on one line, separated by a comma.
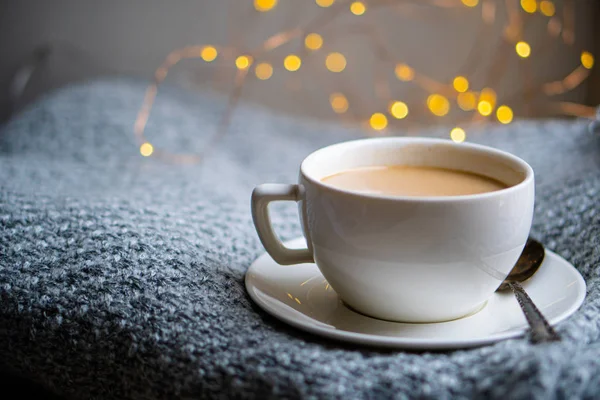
[(529, 174)]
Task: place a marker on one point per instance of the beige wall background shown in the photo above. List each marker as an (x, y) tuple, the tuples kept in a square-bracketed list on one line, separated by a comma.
[(132, 37)]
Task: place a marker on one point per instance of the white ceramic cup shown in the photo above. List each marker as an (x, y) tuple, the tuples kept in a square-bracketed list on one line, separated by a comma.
[(412, 259)]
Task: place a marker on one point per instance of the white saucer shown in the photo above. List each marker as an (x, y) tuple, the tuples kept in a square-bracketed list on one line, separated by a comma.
[(300, 296)]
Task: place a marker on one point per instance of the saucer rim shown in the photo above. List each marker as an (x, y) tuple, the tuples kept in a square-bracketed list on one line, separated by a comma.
[(398, 341)]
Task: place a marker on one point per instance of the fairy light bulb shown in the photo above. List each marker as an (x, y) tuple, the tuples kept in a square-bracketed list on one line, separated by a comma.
[(263, 71), (466, 101), (243, 62), (470, 3), (523, 49), (461, 84), (529, 6), (208, 53), (358, 8), (587, 59), (547, 8), (264, 5), (313, 41), (399, 109), (438, 104), (404, 72), (504, 114), (458, 135), (146, 149), (335, 62), (324, 3), (484, 107), (378, 121), (292, 62), (339, 103)]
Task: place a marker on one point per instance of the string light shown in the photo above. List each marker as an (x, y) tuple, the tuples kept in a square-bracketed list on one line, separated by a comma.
[(358, 8), (335, 62), (587, 59), (324, 3), (547, 8), (399, 109), (292, 62), (523, 49), (404, 72), (243, 62), (484, 108), (313, 41), (458, 135), (263, 71), (208, 53), (378, 121), (146, 149), (438, 104), (264, 5), (470, 3), (339, 103), (466, 101), (529, 6), (461, 84), (504, 114)]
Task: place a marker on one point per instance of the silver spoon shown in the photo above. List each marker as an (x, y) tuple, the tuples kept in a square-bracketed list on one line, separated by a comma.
[(528, 263)]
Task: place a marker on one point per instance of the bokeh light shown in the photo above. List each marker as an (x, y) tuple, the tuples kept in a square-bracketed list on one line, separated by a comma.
[(470, 3), (438, 104), (335, 62), (263, 71), (292, 62), (404, 72), (264, 5), (399, 109), (313, 41), (378, 121), (466, 101), (358, 8), (146, 149), (523, 49), (461, 84), (587, 59), (243, 62), (208, 53), (485, 108), (547, 8), (529, 6), (504, 114), (339, 103), (324, 3), (458, 135)]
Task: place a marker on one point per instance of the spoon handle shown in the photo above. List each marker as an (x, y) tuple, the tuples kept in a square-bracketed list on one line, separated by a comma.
[(541, 331)]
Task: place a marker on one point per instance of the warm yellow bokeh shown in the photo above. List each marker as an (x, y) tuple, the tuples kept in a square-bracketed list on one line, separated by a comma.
[(399, 109), (339, 103), (292, 62), (438, 104), (313, 41), (461, 84), (523, 49), (466, 101), (146, 149), (458, 135), (324, 3), (335, 62), (587, 59), (208, 53), (358, 8), (404, 72), (470, 3), (485, 108), (263, 71), (547, 8), (529, 6), (264, 5), (378, 121), (243, 62), (504, 114)]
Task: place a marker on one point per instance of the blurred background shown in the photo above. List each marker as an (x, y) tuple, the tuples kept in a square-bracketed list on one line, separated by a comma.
[(378, 63)]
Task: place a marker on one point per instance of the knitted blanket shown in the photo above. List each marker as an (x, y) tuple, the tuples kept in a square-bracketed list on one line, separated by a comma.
[(123, 276)]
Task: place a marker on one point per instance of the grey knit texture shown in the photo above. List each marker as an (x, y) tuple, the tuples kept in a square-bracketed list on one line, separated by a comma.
[(123, 276)]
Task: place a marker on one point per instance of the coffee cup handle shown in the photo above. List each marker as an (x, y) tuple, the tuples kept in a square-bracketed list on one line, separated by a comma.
[(261, 197)]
